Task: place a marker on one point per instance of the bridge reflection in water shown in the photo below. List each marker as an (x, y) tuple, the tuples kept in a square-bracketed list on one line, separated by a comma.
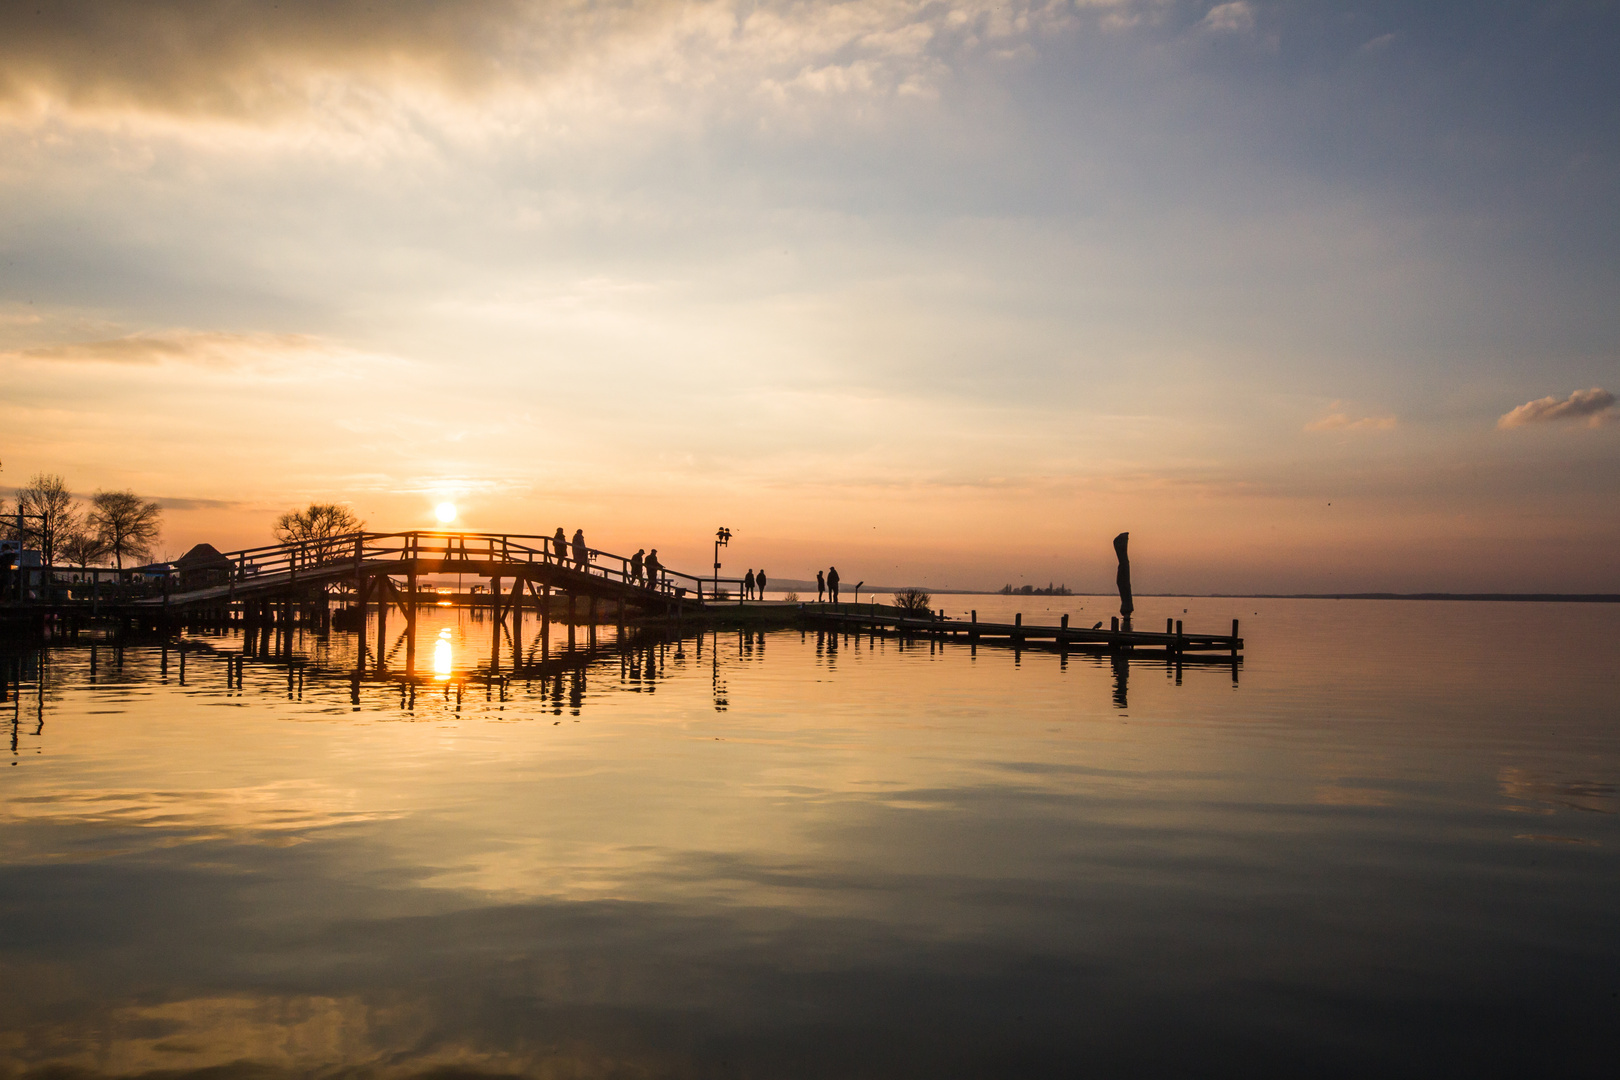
[(468, 659)]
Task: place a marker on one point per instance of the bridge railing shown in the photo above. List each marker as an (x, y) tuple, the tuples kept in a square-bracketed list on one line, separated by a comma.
[(327, 557)]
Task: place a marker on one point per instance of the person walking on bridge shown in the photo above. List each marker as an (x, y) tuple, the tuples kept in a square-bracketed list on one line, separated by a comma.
[(559, 545), (832, 583), (821, 587), (635, 565), (654, 568), (582, 555), (748, 586), (759, 583)]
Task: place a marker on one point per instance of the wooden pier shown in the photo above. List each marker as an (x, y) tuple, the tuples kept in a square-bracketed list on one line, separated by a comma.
[(1173, 641), (346, 582)]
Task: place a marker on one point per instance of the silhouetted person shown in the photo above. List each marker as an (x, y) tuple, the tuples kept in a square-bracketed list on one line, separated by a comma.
[(759, 584), (821, 587), (582, 555), (559, 545), (748, 586), (654, 568), (832, 584), (635, 565)]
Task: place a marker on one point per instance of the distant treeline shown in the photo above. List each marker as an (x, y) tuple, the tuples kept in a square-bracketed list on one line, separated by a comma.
[(1030, 590)]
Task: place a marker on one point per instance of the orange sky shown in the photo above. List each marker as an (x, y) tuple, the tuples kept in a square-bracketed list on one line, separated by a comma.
[(944, 294)]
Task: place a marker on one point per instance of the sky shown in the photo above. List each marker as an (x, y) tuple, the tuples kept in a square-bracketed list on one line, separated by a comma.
[(1306, 296)]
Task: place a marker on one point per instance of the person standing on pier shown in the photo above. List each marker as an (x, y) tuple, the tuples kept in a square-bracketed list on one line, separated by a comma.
[(748, 586), (832, 583), (759, 584), (582, 555), (821, 587), (635, 565), (559, 545), (654, 568)]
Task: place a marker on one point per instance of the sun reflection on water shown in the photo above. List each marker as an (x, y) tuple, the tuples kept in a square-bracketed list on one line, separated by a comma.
[(442, 656)]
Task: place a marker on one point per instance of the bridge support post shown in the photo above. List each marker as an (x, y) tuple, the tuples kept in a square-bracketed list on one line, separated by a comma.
[(496, 617), (360, 630), (516, 604), (410, 620), (382, 622), (545, 620)]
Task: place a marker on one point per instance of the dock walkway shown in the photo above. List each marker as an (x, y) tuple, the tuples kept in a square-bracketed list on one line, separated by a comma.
[(1172, 641)]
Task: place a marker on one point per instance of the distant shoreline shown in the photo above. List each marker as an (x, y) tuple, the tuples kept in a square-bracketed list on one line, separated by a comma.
[(1535, 598)]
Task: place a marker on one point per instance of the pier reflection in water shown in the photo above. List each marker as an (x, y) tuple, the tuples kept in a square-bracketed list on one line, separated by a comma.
[(818, 854)]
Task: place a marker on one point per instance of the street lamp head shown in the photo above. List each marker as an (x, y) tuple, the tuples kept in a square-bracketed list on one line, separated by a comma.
[(723, 536)]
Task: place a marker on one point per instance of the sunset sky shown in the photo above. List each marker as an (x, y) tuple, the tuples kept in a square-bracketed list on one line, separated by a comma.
[(1306, 296)]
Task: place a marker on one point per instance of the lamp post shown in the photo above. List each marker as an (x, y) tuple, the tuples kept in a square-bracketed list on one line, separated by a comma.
[(722, 538)]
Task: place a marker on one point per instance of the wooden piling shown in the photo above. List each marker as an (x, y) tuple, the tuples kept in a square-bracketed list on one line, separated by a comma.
[(516, 604), (410, 620), (382, 622)]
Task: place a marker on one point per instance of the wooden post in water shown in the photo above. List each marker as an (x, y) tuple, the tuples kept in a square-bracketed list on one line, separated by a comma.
[(1234, 647), (545, 620), (410, 619), (516, 605), (1123, 578), (360, 635), (497, 619), (382, 622)]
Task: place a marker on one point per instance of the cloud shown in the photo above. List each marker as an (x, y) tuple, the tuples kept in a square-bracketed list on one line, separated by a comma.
[(258, 63), (1341, 422), (226, 57), (1591, 405), (209, 349), (1236, 17)]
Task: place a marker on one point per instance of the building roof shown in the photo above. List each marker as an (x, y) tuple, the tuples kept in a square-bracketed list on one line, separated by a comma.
[(203, 557)]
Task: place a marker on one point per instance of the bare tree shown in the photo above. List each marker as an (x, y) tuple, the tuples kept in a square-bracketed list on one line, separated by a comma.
[(81, 547), (48, 513), (913, 602), (320, 525), (125, 523)]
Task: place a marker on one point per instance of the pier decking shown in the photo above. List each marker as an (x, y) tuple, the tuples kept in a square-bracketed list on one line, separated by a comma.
[(1173, 641)]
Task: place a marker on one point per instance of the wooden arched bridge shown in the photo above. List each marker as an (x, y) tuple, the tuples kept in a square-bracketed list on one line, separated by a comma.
[(281, 586), (371, 560), (296, 582)]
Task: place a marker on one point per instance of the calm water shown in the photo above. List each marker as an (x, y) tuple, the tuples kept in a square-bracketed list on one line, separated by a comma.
[(1389, 846)]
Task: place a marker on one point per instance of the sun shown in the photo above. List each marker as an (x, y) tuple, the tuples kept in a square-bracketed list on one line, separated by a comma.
[(445, 512)]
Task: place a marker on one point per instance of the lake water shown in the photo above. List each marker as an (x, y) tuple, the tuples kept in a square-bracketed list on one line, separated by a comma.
[(1386, 845)]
